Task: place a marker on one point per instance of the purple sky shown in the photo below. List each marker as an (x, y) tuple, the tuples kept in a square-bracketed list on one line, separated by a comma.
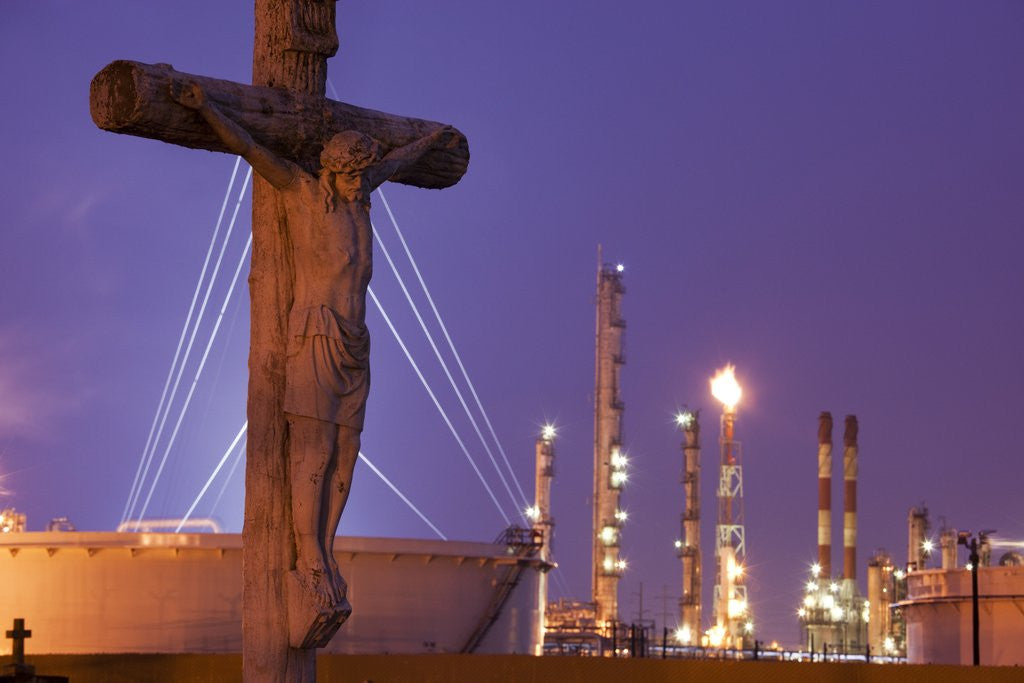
[(827, 195)]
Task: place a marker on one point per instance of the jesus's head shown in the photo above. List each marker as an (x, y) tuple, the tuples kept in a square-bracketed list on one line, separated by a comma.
[(349, 152)]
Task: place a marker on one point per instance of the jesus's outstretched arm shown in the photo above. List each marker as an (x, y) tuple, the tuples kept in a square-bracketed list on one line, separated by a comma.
[(403, 157), (276, 171)]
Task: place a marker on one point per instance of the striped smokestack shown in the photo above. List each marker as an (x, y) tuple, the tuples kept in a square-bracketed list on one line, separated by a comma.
[(850, 499), (825, 494)]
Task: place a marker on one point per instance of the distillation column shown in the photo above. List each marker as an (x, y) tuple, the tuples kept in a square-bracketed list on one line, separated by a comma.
[(609, 459), (825, 497), (543, 522), (690, 603), (850, 506)]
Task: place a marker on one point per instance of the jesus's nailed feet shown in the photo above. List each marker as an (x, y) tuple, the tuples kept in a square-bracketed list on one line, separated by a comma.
[(311, 623)]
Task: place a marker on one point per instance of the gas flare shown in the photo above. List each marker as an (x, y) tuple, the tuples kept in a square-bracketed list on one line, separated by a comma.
[(725, 388)]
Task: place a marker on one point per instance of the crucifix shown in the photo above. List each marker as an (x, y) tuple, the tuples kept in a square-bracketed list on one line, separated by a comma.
[(316, 162)]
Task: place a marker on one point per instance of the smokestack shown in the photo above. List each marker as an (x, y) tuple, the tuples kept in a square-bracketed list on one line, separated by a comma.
[(825, 495), (850, 499)]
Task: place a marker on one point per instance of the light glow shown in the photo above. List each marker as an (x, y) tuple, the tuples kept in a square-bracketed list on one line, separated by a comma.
[(811, 586), (678, 544), (684, 419), (725, 388), (716, 635), (801, 613), (683, 635), (619, 268), (815, 569), (533, 512), (548, 433), (927, 546), (621, 515), (899, 574), (618, 459), (621, 565), (889, 644), (833, 587), (748, 627), (808, 601), (608, 535), (618, 479)]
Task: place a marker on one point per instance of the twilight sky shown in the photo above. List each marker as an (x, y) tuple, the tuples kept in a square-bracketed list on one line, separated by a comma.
[(827, 195)]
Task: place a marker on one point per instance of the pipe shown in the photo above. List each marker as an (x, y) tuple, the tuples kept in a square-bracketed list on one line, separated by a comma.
[(825, 495), (850, 498)]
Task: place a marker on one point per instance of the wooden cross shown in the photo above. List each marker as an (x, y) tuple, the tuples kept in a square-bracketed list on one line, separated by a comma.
[(18, 635), (286, 112)]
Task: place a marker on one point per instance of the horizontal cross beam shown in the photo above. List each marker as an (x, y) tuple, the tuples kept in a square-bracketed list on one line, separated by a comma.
[(134, 99)]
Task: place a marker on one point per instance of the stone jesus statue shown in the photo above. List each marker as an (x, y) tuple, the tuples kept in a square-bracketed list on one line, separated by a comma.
[(327, 380)]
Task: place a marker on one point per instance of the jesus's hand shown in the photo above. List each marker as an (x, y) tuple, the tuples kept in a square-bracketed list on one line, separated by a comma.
[(189, 95)]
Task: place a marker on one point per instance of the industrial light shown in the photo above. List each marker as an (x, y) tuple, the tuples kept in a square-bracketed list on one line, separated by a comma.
[(927, 546), (889, 644), (683, 635), (815, 569), (716, 634), (548, 433), (837, 613), (833, 587), (608, 535), (748, 627), (737, 608), (725, 388), (828, 602), (533, 512), (608, 563), (621, 515), (811, 586), (967, 566), (618, 459), (678, 544), (801, 613), (618, 479), (621, 565), (899, 574), (620, 267), (808, 601), (684, 419), (735, 570)]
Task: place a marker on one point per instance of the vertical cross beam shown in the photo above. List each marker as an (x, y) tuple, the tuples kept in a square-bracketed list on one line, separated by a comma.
[(18, 635), (293, 40)]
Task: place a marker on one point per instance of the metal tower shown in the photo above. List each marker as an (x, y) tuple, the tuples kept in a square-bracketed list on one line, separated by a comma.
[(733, 626), (609, 459)]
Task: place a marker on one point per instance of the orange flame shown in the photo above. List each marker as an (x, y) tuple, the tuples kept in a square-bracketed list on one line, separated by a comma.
[(725, 388)]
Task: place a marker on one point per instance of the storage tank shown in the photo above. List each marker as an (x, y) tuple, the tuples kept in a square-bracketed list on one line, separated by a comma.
[(102, 592)]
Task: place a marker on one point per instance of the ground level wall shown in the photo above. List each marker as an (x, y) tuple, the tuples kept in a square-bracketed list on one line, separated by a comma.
[(437, 668)]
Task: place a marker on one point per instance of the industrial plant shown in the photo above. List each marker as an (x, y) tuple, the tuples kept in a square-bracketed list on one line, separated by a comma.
[(418, 596)]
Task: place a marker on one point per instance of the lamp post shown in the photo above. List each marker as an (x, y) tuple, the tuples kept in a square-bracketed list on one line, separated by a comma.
[(965, 539)]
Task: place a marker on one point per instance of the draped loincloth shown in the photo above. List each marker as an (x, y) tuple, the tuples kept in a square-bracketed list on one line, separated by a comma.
[(327, 371)]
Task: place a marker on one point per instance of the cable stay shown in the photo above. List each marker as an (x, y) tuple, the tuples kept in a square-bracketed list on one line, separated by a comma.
[(195, 379), (451, 345), (240, 439), (213, 475), (444, 366), (181, 338), (437, 404), (188, 351)]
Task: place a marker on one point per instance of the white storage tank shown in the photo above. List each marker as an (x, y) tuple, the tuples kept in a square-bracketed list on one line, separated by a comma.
[(101, 592)]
